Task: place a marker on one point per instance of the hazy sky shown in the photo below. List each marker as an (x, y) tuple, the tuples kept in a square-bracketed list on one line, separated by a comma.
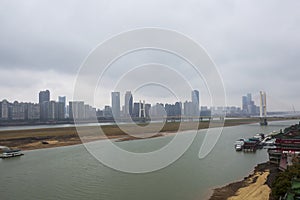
[(254, 43)]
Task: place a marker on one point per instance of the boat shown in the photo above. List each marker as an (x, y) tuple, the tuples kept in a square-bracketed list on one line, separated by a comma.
[(269, 143), (11, 153), (238, 147), (259, 136), (239, 142)]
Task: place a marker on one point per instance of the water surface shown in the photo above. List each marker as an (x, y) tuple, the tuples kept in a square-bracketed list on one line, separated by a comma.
[(69, 173)]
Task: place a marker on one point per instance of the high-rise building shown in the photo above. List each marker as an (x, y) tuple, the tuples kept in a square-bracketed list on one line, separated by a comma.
[(61, 110), (62, 103), (248, 105), (128, 105), (89, 112), (158, 110), (188, 108), (195, 102), (147, 109), (4, 110), (18, 111), (52, 109), (62, 99), (115, 104), (76, 110), (173, 109), (244, 103), (136, 109), (44, 98), (107, 112), (33, 111)]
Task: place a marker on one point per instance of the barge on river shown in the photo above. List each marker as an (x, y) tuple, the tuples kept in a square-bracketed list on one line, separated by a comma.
[(11, 153)]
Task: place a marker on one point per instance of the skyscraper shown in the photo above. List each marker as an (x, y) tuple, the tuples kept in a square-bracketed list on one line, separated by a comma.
[(62, 106), (248, 105), (128, 104), (115, 104), (44, 96), (76, 110), (244, 103), (62, 99), (195, 102)]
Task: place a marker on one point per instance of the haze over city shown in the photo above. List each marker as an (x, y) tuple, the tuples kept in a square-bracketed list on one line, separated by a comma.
[(254, 47)]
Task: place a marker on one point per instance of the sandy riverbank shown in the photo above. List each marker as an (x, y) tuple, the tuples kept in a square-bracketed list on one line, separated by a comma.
[(63, 136), (254, 187)]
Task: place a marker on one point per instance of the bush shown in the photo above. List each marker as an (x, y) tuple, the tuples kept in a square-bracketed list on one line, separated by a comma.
[(282, 182)]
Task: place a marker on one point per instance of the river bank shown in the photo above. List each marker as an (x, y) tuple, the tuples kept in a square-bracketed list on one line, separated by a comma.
[(256, 186), (63, 136)]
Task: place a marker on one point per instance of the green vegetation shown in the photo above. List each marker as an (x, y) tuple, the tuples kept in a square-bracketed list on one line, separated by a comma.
[(283, 181)]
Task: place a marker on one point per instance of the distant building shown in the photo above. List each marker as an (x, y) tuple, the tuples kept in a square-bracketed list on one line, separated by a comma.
[(89, 112), (76, 110), (157, 111), (62, 99), (128, 105), (147, 109), (173, 109), (33, 111), (24, 111), (44, 99), (18, 111), (44, 96), (4, 110), (107, 112), (188, 108), (115, 104), (195, 102), (248, 105), (205, 111), (141, 109), (136, 109), (52, 110)]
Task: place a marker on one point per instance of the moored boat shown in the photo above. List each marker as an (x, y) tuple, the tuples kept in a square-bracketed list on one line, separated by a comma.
[(11, 153), (238, 147)]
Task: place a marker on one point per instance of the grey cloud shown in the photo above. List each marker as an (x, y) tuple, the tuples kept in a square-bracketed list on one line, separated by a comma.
[(255, 44)]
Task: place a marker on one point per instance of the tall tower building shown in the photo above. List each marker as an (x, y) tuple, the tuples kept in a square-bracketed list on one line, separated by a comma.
[(62, 99), (245, 103), (128, 105), (44, 99), (115, 104), (195, 102), (44, 96), (76, 110), (62, 106)]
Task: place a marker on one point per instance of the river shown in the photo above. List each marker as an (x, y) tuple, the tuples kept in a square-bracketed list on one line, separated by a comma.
[(69, 173)]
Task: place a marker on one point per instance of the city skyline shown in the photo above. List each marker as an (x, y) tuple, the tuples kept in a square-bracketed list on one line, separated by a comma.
[(49, 110), (247, 103), (44, 95)]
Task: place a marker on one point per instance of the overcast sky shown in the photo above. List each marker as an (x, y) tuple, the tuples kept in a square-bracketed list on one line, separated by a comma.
[(254, 43)]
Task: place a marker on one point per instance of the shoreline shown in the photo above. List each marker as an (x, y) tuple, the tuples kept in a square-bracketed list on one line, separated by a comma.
[(29, 139), (255, 186)]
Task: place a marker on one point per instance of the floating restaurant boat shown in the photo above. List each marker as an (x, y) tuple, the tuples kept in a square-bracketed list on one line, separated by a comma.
[(250, 144), (11, 153)]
